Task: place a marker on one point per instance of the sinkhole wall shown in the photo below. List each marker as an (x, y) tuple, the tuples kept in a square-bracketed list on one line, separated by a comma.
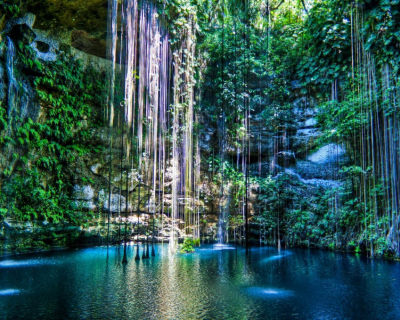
[(74, 190), (57, 163)]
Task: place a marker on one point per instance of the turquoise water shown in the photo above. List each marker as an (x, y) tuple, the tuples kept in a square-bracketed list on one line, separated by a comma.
[(218, 282)]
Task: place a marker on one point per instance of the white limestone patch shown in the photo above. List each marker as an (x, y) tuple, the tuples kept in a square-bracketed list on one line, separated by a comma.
[(327, 154), (96, 168), (118, 202), (53, 46), (83, 192), (311, 122)]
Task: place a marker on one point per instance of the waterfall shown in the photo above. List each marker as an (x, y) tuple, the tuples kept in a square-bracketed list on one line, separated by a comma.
[(157, 108), (12, 82)]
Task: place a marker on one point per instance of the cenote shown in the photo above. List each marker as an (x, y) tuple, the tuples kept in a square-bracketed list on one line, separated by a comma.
[(208, 284), (249, 148)]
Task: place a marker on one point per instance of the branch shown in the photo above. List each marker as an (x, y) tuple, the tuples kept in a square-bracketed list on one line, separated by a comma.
[(304, 6), (277, 7), (282, 1)]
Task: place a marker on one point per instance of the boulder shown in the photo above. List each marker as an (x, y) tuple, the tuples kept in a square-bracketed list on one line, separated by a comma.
[(327, 154), (310, 122), (83, 193), (45, 47), (28, 19), (95, 168)]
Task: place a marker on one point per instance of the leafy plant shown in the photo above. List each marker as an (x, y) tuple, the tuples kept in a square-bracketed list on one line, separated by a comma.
[(187, 246), (37, 185)]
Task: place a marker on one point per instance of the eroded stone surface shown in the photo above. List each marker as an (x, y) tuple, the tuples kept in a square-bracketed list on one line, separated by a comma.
[(83, 192), (328, 153)]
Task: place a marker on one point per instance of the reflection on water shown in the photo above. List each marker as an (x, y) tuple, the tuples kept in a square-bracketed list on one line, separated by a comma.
[(9, 292), (215, 248), (269, 292), (22, 263), (216, 282), (222, 246), (276, 257)]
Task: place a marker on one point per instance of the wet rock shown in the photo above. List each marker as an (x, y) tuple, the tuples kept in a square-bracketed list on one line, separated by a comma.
[(133, 180), (307, 133), (311, 122), (302, 109), (23, 237), (28, 104), (81, 40), (22, 98), (28, 19), (82, 204), (45, 47), (299, 105), (84, 196), (310, 170), (83, 192), (205, 142), (96, 168), (42, 46), (118, 202), (262, 169), (322, 183)]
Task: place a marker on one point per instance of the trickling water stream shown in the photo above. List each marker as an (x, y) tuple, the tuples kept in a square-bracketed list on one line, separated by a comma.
[(12, 83)]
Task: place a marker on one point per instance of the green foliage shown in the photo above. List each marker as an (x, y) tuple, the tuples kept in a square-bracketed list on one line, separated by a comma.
[(327, 38), (187, 246), (248, 59), (9, 9), (38, 182), (223, 172), (31, 200), (381, 29), (344, 43), (179, 16), (340, 120)]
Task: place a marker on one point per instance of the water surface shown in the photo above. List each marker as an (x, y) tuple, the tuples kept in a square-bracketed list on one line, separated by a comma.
[(214, 283)]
